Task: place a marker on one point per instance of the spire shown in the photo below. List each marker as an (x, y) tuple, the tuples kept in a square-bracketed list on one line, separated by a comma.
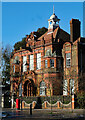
[(53, 9)]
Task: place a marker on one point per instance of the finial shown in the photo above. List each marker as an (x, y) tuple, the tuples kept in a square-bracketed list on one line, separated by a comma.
[(53, 9)]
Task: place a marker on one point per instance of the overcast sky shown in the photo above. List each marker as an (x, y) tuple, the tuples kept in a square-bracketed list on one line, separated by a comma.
[(21, 18)]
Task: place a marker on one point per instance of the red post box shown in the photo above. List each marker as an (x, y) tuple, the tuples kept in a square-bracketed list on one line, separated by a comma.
[(17, 103)]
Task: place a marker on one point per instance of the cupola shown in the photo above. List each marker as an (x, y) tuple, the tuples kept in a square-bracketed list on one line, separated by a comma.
[(53, 22)]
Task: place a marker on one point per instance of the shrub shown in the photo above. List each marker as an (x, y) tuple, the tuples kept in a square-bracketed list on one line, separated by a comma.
[(80, 100)]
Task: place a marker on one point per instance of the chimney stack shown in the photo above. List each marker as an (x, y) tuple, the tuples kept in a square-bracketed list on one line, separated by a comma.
[(74, 29)]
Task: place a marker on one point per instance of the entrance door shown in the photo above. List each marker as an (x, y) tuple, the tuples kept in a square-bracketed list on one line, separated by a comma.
[(28, 89)]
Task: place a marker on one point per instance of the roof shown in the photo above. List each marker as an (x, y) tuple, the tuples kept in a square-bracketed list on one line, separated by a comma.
[(57, 33)]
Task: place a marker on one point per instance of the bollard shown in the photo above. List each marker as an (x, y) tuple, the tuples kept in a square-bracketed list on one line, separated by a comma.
[(31, 109), (23, 105)]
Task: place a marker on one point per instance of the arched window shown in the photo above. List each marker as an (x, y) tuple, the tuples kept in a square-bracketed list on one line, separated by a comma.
[(42, 89)]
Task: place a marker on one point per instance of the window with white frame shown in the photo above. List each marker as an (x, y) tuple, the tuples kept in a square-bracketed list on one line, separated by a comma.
[(68, 59), (38, 60), (42, 89), (51, 62), (65, 87), (46, 63), (71, 86), (31, 62), (24, 63)]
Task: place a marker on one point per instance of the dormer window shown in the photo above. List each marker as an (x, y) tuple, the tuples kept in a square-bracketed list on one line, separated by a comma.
[(48, 52)]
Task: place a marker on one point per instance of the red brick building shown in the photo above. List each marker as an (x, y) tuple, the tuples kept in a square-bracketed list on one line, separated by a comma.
[(42, 67), (74, 57)]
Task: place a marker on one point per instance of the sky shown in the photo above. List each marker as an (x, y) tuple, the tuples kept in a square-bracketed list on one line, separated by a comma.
[(22, 18)]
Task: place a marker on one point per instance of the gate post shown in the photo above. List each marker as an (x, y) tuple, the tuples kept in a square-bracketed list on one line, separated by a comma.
[(33, 104), (73, 104), (23, 104), (58, 104), (45, 104)]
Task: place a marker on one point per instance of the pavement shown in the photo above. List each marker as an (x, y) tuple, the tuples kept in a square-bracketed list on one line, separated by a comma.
[(45, 114)]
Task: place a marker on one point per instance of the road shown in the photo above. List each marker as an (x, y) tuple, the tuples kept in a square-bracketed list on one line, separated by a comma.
[(43, 114)]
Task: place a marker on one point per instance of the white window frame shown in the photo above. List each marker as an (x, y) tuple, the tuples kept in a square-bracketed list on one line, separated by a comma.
[(68, 60), (31, 62), (38, 60), (24, 63)]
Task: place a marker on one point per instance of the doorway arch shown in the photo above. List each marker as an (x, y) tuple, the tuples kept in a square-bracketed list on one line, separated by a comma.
[(28, 88)]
